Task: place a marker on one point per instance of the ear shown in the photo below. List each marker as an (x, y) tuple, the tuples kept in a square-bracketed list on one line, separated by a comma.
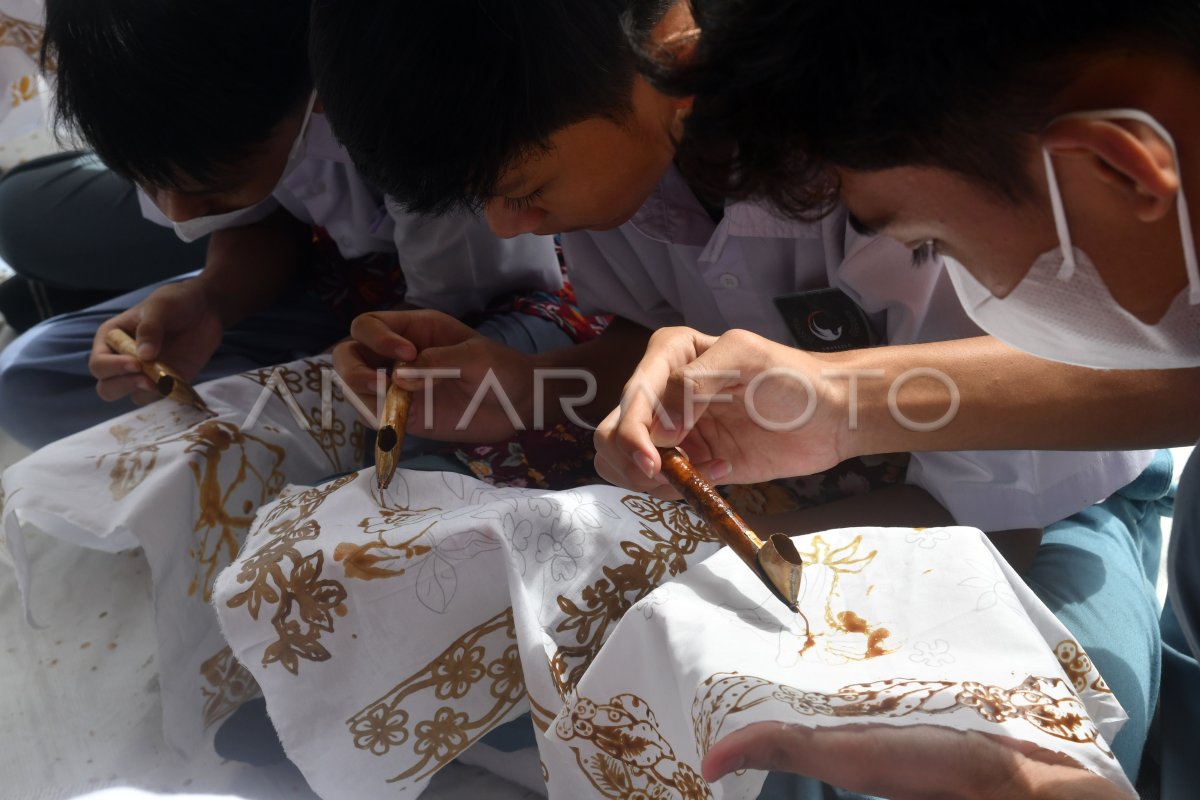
[(1126, 154), (682, 107)]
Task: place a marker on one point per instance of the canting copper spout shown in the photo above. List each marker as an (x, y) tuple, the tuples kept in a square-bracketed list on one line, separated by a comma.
[(389, 440), (167, 381), (775, 561)]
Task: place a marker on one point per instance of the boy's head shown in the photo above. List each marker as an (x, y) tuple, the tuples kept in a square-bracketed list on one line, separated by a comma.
[(197, 101), (928, 121), (529, 109)]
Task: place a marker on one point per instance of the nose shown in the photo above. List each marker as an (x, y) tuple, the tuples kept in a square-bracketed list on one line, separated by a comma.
[(179, 207), (506, 222)]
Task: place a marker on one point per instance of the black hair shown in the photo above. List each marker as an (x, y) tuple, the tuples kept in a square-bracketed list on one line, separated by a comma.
[(435, 100), (167, 91), (784, 90)]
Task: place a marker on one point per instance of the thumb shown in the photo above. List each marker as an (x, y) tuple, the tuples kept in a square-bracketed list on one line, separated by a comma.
[(764, 746)]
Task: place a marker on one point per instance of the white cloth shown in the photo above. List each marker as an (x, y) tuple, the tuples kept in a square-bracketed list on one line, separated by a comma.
[(388, 635), (898, 627), (672, 265), (451, 263), (24, 95), (184, 485)]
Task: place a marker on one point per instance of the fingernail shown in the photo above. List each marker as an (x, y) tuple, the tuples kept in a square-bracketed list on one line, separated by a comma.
[(145, 351), (132, 368), (740, 765), (644, 464)]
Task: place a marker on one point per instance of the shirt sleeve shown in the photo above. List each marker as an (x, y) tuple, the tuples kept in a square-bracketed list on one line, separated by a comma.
[(455, 264), (998, 490)]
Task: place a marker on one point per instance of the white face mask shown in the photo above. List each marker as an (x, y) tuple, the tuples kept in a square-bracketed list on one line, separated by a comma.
[(1062, 309), (189, 230)]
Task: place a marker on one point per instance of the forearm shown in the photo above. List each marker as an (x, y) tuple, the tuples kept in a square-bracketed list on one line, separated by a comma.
[(609, 358), (248, 267), (1009, 400)]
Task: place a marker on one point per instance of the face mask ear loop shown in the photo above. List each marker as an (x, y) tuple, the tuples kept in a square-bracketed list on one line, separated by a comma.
[(308, 113), (1189, 247), (1060, 220)]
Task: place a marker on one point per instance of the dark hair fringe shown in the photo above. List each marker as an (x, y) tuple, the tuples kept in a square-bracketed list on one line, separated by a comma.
[(175, 90), (435, 101)]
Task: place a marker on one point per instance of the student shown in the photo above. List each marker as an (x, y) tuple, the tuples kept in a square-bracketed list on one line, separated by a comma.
[(237, 147), (1048, 148), (579, 144)]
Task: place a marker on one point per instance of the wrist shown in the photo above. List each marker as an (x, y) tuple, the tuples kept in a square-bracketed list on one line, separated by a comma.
[(216, 300)]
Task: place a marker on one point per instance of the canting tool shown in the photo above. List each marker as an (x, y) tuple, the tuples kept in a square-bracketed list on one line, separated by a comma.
[(167, 381), (389, 439), (775, 561)]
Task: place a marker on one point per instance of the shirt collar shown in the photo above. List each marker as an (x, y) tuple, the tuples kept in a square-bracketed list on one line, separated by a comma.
[(320, 143), (673, 215)]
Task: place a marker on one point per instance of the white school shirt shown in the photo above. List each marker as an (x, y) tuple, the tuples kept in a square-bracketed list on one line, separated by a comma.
[(672, 265), (452, 263)]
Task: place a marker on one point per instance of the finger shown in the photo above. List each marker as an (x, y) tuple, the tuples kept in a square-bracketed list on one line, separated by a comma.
[(359, 367), (715, 471), (436, 363), (144, 396), (620, 475), (374, 332), (149, 335), (110, 365), (873, 759), (631, 438), (111, 389), (99, 344), (694, 386)]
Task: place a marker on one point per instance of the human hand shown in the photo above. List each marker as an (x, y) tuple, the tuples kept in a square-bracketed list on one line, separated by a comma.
[(428, 341), (909, 763), (732, 439), (178, 324)]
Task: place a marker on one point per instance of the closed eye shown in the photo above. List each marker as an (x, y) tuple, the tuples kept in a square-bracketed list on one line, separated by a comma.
[(925, 252), (519, 204)]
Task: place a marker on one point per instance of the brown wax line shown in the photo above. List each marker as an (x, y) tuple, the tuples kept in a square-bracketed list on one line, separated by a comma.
[(775, 561), (167, 381)]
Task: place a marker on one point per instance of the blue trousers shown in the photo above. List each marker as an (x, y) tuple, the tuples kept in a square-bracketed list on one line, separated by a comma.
[(47, 392), (1176, 751)]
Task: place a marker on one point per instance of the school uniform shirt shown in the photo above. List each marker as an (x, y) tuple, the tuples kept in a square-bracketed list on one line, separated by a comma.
[(671, 264), (452, 263)]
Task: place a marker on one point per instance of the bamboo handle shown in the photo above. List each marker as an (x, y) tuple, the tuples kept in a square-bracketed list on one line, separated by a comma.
[(121, 342), (389, 440), (167, 381), (708, 503)]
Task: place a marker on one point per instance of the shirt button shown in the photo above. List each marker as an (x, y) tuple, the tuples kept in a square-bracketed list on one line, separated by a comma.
[(730, 281)]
